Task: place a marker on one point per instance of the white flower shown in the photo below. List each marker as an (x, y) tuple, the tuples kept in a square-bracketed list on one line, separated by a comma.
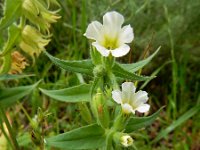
[(129, 100), (110, 37), (126, 140)]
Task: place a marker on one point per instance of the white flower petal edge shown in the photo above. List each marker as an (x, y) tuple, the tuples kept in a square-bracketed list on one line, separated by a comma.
[(143, 108), (126, 35), (127, 109), (110, 37), (102, 50), (94, 30), (117, 96), (129, 100), (120, 51)]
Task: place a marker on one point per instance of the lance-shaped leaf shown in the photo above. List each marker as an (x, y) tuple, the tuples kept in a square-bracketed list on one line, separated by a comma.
[(80, 93), (14, 76), (87, 137), (9, 95), (81, 66), (122, 73), (13, 36), (136, 123), (188, 114), (138, 65), (12, 11)]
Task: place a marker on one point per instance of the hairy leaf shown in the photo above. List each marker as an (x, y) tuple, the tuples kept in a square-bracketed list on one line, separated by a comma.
[(136, 123), (13, 35), (80, 93), (138, 65), (9, 95), (82, 66), (13, 76), (87, 137), (122, 73), (12, 11)]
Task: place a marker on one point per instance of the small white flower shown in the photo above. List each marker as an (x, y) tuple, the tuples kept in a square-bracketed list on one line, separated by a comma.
[(110, 37), (126, 140), (129, 100)]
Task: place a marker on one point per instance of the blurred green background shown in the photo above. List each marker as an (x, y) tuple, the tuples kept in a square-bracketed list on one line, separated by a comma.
[(172, 24)]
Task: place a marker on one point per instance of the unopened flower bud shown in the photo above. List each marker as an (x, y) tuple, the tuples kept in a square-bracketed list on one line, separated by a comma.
[(100, 110), (123, 139), (99, 71)]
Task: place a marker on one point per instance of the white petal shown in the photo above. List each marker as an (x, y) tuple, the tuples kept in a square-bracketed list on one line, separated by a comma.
[(112, 22), (102, 50), (139, 98), (128, 90), (112, 19), (126, 108), (94, 30), (117, 96), (126, 35), (143, 108), (128, 86), (120, 51)]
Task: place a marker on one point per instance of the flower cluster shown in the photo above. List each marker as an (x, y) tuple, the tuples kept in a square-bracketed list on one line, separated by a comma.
[(111, 39), (39, 15)]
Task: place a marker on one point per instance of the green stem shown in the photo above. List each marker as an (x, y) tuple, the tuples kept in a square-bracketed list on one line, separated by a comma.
[(11, 133), (5, 134)]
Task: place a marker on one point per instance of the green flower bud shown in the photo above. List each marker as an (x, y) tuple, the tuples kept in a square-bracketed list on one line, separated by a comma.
[(123, 139), (100, 110), (99, 71)]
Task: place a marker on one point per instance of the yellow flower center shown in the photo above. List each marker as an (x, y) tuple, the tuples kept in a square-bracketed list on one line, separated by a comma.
[(110, 43)]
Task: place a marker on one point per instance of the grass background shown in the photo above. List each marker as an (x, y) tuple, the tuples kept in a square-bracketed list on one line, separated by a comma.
[(173, 25)]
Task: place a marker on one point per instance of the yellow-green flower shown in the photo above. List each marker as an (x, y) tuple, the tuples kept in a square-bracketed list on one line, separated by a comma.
[(33, 42), (39, 15)]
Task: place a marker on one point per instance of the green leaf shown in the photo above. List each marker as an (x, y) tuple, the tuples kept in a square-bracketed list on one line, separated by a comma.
[(6, 63), (82, 66), (138, 65), (87, 137), (14, 76), (122, 73), (12, 12), (177, 123), (80, 93), (9, 95), (136, 123), (13, 36)]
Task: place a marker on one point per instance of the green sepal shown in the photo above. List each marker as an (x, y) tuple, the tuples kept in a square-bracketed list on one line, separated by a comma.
[(95, 56), (87, 137), (136, 123), (80, 93), (139, 65), (12, 12), (9, 95), (81, 66)]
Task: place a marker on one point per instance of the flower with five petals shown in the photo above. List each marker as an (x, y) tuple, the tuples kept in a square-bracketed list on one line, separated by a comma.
[(110, 37), (130, 100)]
